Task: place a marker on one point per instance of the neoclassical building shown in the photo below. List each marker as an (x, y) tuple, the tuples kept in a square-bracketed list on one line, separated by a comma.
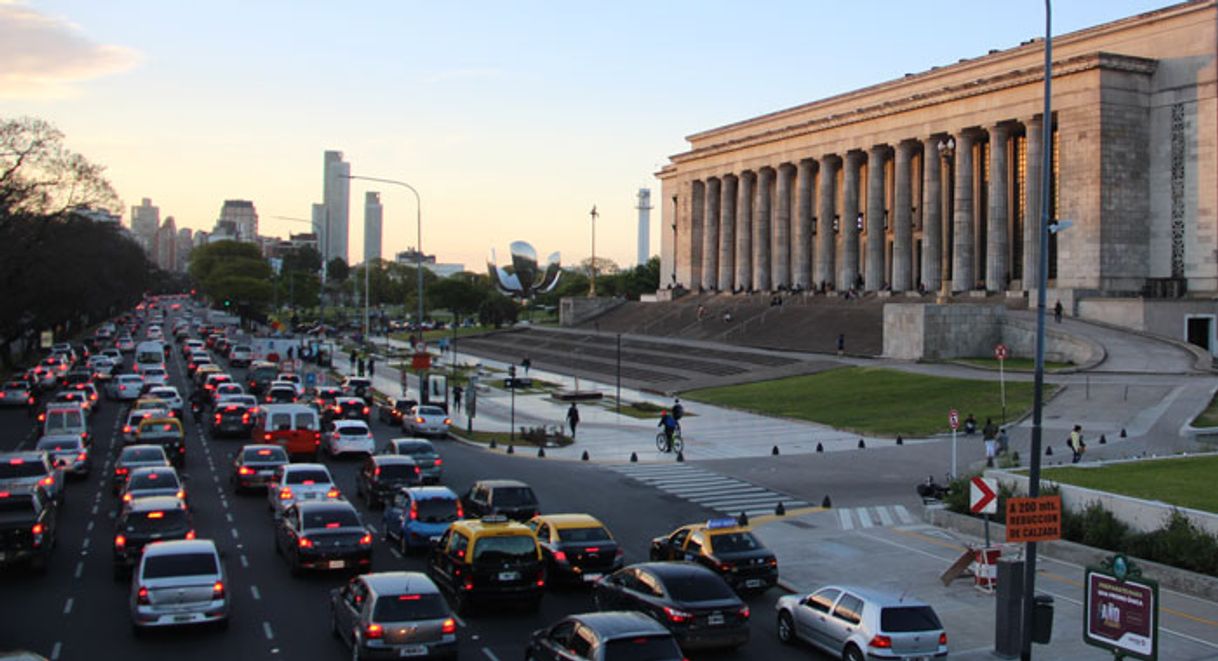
[(932, 180)]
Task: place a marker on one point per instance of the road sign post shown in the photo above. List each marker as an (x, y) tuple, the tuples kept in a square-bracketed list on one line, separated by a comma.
[(1121, 610), (953, 420), (983, 499), (1001, 352)]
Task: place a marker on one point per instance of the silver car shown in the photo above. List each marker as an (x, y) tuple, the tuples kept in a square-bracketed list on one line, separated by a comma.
[(392, 615), (133, 457), (860, 623), (68, 452), (293, 483), (431, 466), (152, 481), (125, 387), (178, 583), (425, 420)]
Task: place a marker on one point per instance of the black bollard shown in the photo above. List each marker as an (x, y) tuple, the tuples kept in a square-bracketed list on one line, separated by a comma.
[(1123, 434), (779, 510), (584, 456), (820, 448), (1048, 450), (634, 458), (826, 503), (862, 444), (900, 441), (680, 456), (1103, 440), (541, 453), (493, 444), (511, 449), (774, 451)]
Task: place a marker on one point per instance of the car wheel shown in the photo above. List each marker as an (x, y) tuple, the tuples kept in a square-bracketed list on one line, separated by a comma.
[(786, 628), (852, 653)]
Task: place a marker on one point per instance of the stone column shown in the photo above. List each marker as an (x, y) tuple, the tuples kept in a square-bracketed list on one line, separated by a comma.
[(781, 266), (931, 215), (744, 231), (727, 232), (697, 211), (997, 245), (761, 229), (1031, 221), (802, 234), (850, 221), (902, 219), (710, 235), (963, 278), (873, 279), (826, 239)]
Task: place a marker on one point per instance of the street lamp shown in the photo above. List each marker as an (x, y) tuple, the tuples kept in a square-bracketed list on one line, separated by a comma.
[(594, 214)]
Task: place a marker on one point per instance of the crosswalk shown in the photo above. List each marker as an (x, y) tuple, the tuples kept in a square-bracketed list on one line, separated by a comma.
[(852, 518), (711, 490)]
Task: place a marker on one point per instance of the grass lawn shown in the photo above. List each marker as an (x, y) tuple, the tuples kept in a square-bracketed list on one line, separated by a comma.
[(1185, 482), (1015, 364), (1208, 417), (871, 400)]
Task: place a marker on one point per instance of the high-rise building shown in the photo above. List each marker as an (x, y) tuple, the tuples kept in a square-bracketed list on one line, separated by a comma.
[(185, 245), (165, 247), (372, 226), (644, 208), (145, 220), (243, 218), (337, 199)]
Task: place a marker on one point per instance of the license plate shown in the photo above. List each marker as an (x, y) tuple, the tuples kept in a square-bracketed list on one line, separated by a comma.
[(337, 564), (183, 618), (714, 619), (591, 577), (753, 583), (413, 650), (509, 575), (433, 539)]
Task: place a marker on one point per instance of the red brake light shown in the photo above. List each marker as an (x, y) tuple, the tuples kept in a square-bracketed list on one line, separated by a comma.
[(374, 631), (37, 529), (439, 462), (120, 471), (141, 597), (245, 470), (414, 510), (120, 541), (744, 612), (190, 534), (883, 642), (366, 540), (448, 421), (365, 410), (4, 494), (593, 549), (126, 497), (449, 626), (126, 429), (333, 493), (305, 543), (338, 409), (47, 481), (156, 515), (460, 510), (181, 494), (264, 453), (409, 597), (217, 418), (333, 524), (677, 616), (285, 493), (217, 590), (419, 419), (943, 638), (560, 556), (266, 437)]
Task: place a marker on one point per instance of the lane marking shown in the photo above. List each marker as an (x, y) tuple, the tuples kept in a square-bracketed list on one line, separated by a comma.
[(266, 629), (903, 514), (67, 608), (95, 509), (85, 545), (885, 518), (234, 532), (844, 517), (229, 516), (89, 528), (56, 650), (489, 654), (80, 568), (245, 564), (257, 595), (864, 517)]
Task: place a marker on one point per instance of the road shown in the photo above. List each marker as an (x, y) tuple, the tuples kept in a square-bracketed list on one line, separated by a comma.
[(78, 611)]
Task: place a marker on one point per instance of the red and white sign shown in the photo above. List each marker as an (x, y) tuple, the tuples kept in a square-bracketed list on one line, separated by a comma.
[(953, 419), (983, 495), (1001, 352)]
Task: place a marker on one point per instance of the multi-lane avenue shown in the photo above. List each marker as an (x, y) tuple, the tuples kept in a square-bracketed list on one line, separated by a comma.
[(79, 611)]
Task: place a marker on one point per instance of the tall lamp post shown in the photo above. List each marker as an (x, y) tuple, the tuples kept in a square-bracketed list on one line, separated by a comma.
[(594, 214)]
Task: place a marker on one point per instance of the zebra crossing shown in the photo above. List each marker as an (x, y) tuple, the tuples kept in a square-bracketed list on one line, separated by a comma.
[(870, 517), (711, 490)]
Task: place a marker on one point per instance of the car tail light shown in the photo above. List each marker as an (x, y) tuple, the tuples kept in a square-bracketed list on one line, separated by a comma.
[(285, 493), (469, 582), (374, 631), (744, 612), (560, 556), (439, 462), (448, 421), (126, 498), (120, 542), (365, 410), (460, 510), (414, 510), (266, 437), (217, 418), (82, 456), (181, 494), (217, 590), (366, 540), (245, 470), (943, 638), (37, 529), (190, 534), (126, 429), (47, 481), (141, 597), (120, 471), (449, 626), (333, 493), (245, 419), (882, 642), (677, 616), (305, 543)]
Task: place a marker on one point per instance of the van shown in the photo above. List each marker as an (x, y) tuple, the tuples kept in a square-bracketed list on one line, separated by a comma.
[(149, 354), (294, 427)]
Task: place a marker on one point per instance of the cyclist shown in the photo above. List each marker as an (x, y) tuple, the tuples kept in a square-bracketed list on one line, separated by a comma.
[(671, 426)]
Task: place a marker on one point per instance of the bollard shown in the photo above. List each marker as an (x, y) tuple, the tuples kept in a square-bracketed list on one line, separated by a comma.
[(634, 458), (826, 503), (584, 457), (493, 444), (1103, 440), (774, 451), (779, 510), (820, 448), (743, 519), (1123, 434), (541, 453), (681, 456), (862, 444), (1048, 450), (900, 441), (511, 449)]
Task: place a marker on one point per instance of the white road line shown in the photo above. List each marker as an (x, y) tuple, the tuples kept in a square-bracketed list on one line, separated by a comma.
[(864, 517), (734, 488), (885, 519), (489, 654), (903, 514), (266, 629), (254, 591), (755, 499), (234, 532), (844, 517), (85, 545), (245, 563), (67, 607), (56, 650), (396, 553), (89, 528), (95, 509), (80, 568), (229, 516)]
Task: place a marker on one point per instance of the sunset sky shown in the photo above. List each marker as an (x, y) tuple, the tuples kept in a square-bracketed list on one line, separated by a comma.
[(512, 119)]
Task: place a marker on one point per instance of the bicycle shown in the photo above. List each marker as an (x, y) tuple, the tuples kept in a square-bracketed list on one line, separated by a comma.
[(678, 444)]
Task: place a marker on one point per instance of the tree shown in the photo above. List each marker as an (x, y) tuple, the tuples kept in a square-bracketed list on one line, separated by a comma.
[(304, 259), (604, 267), (458, 295), (40, 176), (337, 270), (497, 310), (235, 272)]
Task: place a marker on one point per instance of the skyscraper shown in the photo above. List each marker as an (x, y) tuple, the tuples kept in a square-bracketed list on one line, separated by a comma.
[(372, 226), (244, 219), (185, 245), (337, 199), (145, 220), (165, 250)]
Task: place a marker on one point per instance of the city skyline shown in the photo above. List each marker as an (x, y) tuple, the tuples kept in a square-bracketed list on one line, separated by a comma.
[(511, 123)]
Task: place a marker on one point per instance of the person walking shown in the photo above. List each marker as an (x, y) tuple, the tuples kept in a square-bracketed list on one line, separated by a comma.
[(1077, 446), (573, 418), (457, 392), (360, 366), (841, 344), (989, 433), (526, 364), (678, 410), (353, 357), (371, 366), (1057, 312)]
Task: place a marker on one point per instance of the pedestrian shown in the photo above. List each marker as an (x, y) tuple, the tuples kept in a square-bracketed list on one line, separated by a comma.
[(526, 364), (970, 425), (670, 426), (573, 418), (353, 357), (1077, 446), (678, 410), (841, 344), (1057, 312), (1004, 441), (291, 353), (457, 391), (371, 366), (989, 433), (360, 365)]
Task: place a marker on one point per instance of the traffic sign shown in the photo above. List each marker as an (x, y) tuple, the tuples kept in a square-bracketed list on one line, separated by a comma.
[(953, 419), (983, 495), (311, 379), (1001, 352), (46, 339), (1121, 612), (1034, 519)]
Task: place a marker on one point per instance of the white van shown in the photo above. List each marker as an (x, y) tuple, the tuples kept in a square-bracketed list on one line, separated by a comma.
[(149, 354)]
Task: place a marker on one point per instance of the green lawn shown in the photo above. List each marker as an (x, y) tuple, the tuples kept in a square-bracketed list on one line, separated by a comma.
[(870, 400), (1208, 417), (1015, 364), (1184, 482)]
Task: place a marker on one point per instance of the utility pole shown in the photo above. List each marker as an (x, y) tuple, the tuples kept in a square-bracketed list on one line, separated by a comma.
[(592, 291)]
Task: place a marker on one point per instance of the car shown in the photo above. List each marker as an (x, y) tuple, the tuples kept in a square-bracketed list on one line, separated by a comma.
[(16, 393), (196, 360), (696, 604), (295, 427), (133, 457), (192, 345), (77, 375), (241, 355), (180, 582), (203, 371), (393, 615), (226, 389), (125, 344), (170, 396), (293, 483), (858, 623), (233, 416), (125, 387), (725, 546), (488, 559), (280, 394), (323, 398), (144, 521), (91, 394), (511, 498), (393, 410), (79, 398), (152, 481), (68, 453), (416, 517), (358, 386), (348, 437), (137, 415), (214, 379), (607, 636), (426, 420), (349, 408), (292, 378), (103, 367), (431, 466), (381, 475), (577, 548), (28, 525), (254, 466), (260, 375), (165, 432), (156, 374), (326, 534), (114, 354), (21, 471)]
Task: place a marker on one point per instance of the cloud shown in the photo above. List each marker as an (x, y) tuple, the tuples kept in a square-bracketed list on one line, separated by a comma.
[(44, 55), (461, 74)]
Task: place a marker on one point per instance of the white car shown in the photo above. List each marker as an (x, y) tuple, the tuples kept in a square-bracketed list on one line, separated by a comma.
[(426, 420), (125, 387), (155, 333), (350, 436), (155, 375), (227, 389), (293, 379), (171, 397), (294, 483), (179, 582)]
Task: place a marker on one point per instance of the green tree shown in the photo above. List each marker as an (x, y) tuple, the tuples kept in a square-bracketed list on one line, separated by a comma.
[(235, 272), (337, 270), (497, 310), (461, 296)]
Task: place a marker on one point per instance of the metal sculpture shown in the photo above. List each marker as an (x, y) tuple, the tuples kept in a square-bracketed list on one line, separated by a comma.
[(524, 277)]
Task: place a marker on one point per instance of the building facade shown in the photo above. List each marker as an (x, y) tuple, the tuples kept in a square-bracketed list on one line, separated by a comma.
[(145, 220), (336, 200), (933, 181), (165, 247), (185, 246), (241, 217), (373, 213)]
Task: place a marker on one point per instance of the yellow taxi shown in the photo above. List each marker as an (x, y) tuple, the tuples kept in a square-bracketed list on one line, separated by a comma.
[(201, 374), (489, 559), (727, 547), (576, 547), (166, 432)]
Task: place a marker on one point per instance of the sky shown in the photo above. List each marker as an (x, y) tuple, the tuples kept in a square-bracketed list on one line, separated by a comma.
[(511, 119)]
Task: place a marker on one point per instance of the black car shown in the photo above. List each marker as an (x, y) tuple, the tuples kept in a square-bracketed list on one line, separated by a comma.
[(348, 408), (609, 636), (254, 466), (323, 399), (323, 535), (27, 527), (695, 603), (511, 498), (147, 520), (726, 547), (382, 474), (232, 419), (391, 412)]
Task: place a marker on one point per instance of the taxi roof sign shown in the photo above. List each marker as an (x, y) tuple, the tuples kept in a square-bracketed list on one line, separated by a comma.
[(494, 518), (725, 522)]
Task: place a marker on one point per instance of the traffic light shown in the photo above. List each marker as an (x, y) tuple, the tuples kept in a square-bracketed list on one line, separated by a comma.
[(228, 302)]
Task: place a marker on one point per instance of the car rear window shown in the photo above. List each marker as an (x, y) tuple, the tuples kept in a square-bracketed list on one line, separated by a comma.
[(437, 510), (142, 454), (58, 421), (642, 648), (308, 475), (903, 619), (154, 480), (21, 468), (180, 564), (329, 517), (59, 444), (265, 454), (697, 587), (396, 470), (514, 497), (306, 422), (409, 607), (430, 410), (511, 548), (590, 534), (168, 519), (352, 430), (415, 449), (730, 542)]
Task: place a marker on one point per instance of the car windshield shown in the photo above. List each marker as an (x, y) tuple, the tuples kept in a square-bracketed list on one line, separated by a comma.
[(437, 510), (265, 455), (21, 468), (642, 648), (430, 410), (330, 518), (154, 480), (131, 455), (514, 497), (156, 521), (353, 430), (409, 608), (180, 564), (514, 547), (698, 587), (904, 619), (59, 444), (731, 542), (393, 471), (316, 476), (63, 420), (593, 534)]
